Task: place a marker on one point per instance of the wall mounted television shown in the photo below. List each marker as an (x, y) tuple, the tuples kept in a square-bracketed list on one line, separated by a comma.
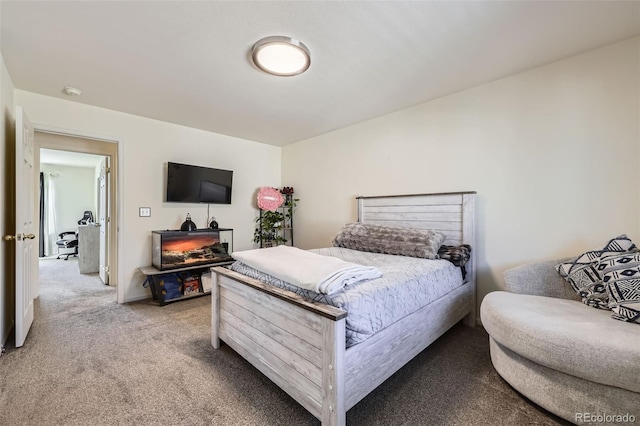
[(195, 184)]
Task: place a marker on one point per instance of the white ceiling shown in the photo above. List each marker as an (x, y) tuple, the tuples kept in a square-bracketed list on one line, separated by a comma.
[(68, 158), (189, 62)]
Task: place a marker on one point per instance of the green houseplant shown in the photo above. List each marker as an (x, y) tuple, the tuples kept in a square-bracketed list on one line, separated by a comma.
[(276, 216), (268, 228)]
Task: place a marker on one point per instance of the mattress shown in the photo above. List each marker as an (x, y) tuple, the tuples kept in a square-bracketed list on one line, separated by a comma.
[(407, 284)]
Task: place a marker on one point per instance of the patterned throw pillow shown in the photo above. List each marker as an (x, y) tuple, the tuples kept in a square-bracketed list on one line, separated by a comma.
[(621, 275), (583, 276), (390, 240)]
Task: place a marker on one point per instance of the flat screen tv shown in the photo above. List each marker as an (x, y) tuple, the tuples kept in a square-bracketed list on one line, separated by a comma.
[(196, 184)]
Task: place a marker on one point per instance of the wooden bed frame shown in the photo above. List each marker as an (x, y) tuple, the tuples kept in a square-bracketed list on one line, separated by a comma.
[(300, 344)]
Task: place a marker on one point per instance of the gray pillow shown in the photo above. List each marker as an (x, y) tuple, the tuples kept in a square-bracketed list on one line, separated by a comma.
[(390, 240), (581, 272)]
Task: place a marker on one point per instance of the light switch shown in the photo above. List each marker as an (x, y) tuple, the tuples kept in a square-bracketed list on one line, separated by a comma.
[(145, 211)]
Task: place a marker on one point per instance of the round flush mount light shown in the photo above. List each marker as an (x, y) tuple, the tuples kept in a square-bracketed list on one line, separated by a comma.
[(71, 91), (280, 55)]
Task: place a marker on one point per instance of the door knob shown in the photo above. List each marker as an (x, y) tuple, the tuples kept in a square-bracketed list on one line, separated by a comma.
[(19, 237)]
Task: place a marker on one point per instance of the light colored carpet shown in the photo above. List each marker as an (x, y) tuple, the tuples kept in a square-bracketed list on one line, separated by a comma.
[(90, 361)]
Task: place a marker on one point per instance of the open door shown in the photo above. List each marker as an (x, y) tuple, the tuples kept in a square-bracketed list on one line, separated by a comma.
[(103, 217), (26, 248)]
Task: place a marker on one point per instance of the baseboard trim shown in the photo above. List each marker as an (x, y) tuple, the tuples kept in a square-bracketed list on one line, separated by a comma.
[(137, 298)]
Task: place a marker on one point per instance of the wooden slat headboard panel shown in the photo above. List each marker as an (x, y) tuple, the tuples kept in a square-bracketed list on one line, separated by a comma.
[(450, 213)]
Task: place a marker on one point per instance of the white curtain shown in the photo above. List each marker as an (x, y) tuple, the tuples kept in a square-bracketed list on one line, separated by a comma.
[(50, 235)]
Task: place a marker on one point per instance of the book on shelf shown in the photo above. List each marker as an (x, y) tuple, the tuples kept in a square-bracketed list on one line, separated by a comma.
[(191, 285)]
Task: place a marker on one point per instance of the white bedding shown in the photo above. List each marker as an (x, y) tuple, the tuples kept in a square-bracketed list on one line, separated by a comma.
[(307, 270), (407, 284)]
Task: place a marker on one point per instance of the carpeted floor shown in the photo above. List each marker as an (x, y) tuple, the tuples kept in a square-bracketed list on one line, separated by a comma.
[(90, 361)]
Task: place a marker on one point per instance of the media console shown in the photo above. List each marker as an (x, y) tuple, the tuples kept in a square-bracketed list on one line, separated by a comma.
[(181, 261), (171, 286)]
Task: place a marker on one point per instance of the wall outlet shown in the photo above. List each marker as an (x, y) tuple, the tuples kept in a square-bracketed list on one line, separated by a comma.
[(144, 211)]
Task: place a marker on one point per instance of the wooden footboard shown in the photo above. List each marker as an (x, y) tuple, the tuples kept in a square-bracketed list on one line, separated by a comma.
[(297, 344)]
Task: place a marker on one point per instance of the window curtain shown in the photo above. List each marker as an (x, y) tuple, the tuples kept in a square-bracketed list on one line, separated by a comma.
[(49, 222), (41, 230)]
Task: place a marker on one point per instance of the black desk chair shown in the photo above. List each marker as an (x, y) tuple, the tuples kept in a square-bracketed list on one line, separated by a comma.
[(67, 244), (86, 218)]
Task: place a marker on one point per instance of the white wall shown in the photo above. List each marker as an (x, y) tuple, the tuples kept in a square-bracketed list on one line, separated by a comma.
[(147, 145), (7, 126), (552, 152), (75, 190)]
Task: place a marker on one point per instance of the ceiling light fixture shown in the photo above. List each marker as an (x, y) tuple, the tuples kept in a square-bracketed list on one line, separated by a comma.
[(72, 91), (282, 56)]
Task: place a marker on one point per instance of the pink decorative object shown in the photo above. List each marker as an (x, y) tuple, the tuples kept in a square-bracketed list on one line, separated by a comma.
[(269, 198)]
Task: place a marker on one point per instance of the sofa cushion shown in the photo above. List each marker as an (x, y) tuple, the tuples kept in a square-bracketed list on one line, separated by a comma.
[(565, 335), (621, 276), (562, 394), (581, 271), (539, 278)]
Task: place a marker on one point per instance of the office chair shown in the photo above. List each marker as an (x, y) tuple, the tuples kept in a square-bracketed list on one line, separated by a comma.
[(69, 239), (67, 244), (86, 218)]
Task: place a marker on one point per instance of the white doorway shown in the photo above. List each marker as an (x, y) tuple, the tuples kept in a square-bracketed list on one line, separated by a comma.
[(104, 183), (70, 205)]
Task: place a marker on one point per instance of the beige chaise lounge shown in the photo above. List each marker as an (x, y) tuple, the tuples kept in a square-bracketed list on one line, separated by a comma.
[(571, 359)]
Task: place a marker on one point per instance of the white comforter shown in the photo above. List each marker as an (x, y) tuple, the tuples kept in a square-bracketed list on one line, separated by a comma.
[(311, 271)]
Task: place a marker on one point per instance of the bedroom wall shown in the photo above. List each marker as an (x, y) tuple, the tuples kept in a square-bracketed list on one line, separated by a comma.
[(6, 222), (147, 146), (552, 152)]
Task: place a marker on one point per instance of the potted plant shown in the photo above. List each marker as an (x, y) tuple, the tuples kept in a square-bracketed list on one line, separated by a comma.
[(269, 227), (276, 216)]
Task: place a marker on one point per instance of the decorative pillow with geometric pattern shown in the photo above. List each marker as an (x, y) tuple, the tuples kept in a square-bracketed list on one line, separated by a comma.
[(581, 272), (621, 276)]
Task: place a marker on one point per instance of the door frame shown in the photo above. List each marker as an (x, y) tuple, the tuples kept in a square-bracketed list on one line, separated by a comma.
[(76, 141)]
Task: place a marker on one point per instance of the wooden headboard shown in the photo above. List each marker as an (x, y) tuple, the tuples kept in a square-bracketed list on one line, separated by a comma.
[(449, 213), (452, 213)]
